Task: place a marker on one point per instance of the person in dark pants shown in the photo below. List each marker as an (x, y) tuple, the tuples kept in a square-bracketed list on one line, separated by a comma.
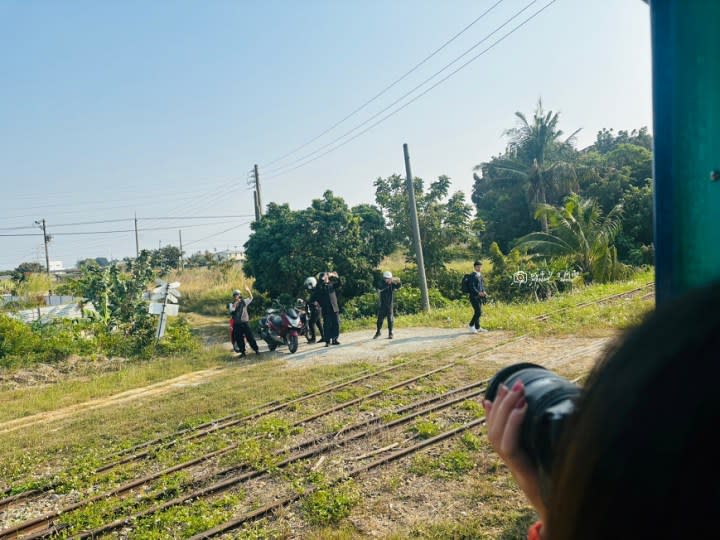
[(387, 301), (313, 312), (477, 296), (326, 296), (241, 325)]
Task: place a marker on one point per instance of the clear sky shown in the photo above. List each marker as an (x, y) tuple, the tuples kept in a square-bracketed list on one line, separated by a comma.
[(160, 109)]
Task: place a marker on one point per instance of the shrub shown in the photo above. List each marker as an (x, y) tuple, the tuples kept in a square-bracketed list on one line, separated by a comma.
[(328, 505), (178, 337), (17, 340), (408, 300)]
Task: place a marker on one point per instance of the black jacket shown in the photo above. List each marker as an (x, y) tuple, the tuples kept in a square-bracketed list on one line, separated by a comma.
[(477, 284), (387, 294), (325, 294)]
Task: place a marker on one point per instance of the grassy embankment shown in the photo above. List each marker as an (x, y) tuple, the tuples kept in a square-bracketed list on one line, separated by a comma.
[(78, 442)]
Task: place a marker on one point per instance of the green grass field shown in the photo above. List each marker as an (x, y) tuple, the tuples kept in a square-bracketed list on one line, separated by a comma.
[(465, 472)]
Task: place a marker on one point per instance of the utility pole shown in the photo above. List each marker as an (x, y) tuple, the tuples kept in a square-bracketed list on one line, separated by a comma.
[(415, 227), (181, 252), (257, 190), (46, 238), (257, 206), (137, 242)]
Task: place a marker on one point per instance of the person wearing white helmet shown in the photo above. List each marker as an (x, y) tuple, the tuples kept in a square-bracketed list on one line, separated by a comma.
[(241, 322), (387, 302), (313, 311)]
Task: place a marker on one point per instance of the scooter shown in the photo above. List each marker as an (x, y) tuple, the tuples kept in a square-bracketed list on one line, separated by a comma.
[(281, 326)]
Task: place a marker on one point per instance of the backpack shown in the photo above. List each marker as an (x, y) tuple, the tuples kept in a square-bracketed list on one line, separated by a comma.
[(465, 283)]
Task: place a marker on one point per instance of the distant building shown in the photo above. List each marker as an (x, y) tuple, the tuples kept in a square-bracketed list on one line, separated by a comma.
[(229, 255)]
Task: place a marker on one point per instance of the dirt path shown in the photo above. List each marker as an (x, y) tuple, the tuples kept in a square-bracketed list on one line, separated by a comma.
[(360, 347), (194, 378)]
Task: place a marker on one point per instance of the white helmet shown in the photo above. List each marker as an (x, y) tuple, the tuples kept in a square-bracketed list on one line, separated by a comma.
[(387, 274), (310, 283), (236, 292)]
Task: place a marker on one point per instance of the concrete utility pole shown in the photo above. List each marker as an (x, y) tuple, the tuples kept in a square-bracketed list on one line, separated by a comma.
[(686, 144), (137, 241), (46, 238), (181, 252), (256, 205), (257, 190), (415, 227)]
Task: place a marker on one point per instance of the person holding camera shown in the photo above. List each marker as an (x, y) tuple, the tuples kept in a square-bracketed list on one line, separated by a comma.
[(387, 301), (477, 296), (636, 456), (326, 296), (241, 324), (313, 311)]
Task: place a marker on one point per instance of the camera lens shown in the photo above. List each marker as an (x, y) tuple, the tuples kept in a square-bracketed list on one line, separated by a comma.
[(550, 400)]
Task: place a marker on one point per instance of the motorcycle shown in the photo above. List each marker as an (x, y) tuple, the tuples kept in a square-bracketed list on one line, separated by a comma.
[(281, 326)]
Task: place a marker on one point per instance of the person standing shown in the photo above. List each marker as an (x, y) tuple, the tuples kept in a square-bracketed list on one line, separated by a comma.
[(241, 324), (477, 296), (387, 302), (313, 311), (327, 298)]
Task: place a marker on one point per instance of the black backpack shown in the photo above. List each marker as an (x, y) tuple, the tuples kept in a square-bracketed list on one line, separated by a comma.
[(465, 283)]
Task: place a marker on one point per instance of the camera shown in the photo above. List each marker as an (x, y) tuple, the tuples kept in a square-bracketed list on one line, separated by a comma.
[(551, 401)]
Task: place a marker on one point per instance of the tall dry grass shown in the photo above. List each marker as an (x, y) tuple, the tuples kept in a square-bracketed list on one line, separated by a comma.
[(208, 290)]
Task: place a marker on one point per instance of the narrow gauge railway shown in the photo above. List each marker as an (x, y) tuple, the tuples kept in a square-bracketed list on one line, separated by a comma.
[(235, 474)]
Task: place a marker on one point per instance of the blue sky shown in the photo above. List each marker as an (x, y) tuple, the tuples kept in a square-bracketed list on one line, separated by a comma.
[(161, 108)]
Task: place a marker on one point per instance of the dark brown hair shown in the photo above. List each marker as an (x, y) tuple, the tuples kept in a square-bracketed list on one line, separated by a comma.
[(638, 459)]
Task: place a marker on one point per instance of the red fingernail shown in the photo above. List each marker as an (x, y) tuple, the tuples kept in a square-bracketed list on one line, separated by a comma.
[(517, 386), (520, 404)]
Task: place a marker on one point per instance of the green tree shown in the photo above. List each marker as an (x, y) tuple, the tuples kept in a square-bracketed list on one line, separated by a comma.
[(635, 241), (286, 246), (444, 221), (502, 204), (23, 271), (539, 157), (580, 234), (166, 258), (606, 140), (118, 295)]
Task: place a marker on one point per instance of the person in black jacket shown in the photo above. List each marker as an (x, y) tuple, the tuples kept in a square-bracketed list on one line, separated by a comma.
[(313, 311), (387, 301), (326, 296), (477, 296)]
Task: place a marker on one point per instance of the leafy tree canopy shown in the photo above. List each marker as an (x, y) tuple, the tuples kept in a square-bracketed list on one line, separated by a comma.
[(286, 246), (23, 270), (444, 221)]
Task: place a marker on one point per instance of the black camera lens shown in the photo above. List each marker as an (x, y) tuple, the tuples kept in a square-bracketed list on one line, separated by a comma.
[(550, 400)]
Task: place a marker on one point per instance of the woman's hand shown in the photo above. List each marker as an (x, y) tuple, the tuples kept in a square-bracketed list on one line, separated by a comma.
[(504, 418)]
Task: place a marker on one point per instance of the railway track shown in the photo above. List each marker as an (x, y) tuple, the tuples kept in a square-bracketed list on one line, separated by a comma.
[(46, 525), (304, 451)]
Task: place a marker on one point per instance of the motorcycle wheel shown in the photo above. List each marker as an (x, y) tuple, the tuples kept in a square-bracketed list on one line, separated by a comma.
[(272, 345), (292, 343)]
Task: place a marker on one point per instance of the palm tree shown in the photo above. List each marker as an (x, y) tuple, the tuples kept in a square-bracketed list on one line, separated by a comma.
[(580, 234), (538, 156)]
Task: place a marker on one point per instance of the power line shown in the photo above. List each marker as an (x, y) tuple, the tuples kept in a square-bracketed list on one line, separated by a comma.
[(273, 173), (197, 217), (493, 45), (384, 90), (218, 234), (128, 219), (172, 227)]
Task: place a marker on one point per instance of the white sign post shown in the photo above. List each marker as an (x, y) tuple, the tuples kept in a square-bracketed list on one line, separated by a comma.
[(164, 302)]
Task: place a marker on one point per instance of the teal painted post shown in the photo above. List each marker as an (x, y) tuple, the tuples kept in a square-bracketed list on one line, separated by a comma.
[(686, 116)]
